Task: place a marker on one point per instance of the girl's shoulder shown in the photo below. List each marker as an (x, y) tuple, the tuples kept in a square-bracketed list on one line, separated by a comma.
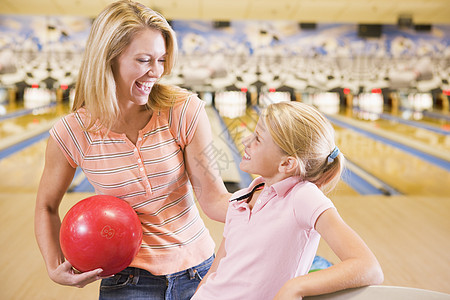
[(308, 203), (307, 187), (307, 193)]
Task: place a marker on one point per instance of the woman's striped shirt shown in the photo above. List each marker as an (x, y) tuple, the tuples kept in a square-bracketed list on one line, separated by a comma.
[(151, 176)]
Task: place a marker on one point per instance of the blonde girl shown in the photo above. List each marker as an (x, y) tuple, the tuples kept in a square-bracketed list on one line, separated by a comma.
[(273, 227)]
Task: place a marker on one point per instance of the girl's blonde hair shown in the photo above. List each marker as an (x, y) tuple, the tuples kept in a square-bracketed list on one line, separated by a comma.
[(111, 32), (303, 132)]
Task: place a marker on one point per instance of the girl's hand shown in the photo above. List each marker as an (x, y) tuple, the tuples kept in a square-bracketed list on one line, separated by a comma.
[(65, 274)]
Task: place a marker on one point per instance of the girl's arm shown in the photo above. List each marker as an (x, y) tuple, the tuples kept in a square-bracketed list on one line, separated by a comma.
[(204, 172), (358, 266), (55, 180), (220, 254)]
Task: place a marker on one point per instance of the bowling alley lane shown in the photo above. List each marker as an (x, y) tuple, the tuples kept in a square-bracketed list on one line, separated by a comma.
[(408, 174), (22, 168), (431, 133), (21, 171), (23, 126), (437, 118)]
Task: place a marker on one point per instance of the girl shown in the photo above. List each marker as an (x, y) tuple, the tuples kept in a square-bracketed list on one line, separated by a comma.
[(273, 227)]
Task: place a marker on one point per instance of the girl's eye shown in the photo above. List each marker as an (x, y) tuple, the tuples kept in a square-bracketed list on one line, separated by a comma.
[(143, 60)]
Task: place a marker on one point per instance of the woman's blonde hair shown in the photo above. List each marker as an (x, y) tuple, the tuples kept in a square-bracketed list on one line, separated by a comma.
[(303, 132), (111, 32)]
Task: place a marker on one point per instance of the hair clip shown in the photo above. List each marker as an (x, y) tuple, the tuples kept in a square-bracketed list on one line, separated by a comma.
[(333, 154)]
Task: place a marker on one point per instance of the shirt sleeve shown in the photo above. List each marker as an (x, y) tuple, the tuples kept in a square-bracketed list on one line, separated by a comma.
[(184, 118), (309, 204), (69, 136)]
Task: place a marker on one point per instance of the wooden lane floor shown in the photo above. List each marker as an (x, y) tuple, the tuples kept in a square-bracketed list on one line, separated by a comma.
[(21, 171), (19, 128), (439, 118), (11, 107), (30, 117), (405, 172), (23, 274), (432, 134)]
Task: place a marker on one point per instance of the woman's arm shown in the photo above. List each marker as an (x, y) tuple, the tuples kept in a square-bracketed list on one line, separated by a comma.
[(358, 266), (220, 254), (204, 172), (55, 180)]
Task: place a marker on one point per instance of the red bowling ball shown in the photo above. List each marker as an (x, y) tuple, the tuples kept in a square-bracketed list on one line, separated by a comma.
[(101, 232)]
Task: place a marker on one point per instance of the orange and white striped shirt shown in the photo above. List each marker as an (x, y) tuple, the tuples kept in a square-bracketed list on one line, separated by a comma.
[(151, 176)]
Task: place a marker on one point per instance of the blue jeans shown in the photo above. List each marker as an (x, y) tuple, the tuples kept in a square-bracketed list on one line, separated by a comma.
[(134, 283)]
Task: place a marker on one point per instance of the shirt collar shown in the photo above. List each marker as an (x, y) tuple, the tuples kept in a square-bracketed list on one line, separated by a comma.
[(246, 192), (282, 187)]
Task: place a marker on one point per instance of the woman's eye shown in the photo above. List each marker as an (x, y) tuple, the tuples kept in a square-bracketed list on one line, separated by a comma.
[(143, 60)]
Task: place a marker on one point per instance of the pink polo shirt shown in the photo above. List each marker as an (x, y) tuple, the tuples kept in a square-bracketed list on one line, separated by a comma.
[(268, 245)]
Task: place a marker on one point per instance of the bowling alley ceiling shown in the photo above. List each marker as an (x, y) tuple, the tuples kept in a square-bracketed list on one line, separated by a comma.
[(325, 11)]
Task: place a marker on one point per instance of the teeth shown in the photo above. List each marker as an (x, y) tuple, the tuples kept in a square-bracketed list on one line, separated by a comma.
[(246, 156), (146, 84)]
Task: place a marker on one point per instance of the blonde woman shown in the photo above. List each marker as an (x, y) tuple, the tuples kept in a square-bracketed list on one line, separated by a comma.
[(273, 227), (141, 141)]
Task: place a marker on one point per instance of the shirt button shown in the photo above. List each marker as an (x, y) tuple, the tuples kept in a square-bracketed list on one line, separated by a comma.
[(139, 160), (140, 139), (141, 169), (135, 150)]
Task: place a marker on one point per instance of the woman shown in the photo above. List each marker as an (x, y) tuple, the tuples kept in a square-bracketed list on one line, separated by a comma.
[(143, 142)]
